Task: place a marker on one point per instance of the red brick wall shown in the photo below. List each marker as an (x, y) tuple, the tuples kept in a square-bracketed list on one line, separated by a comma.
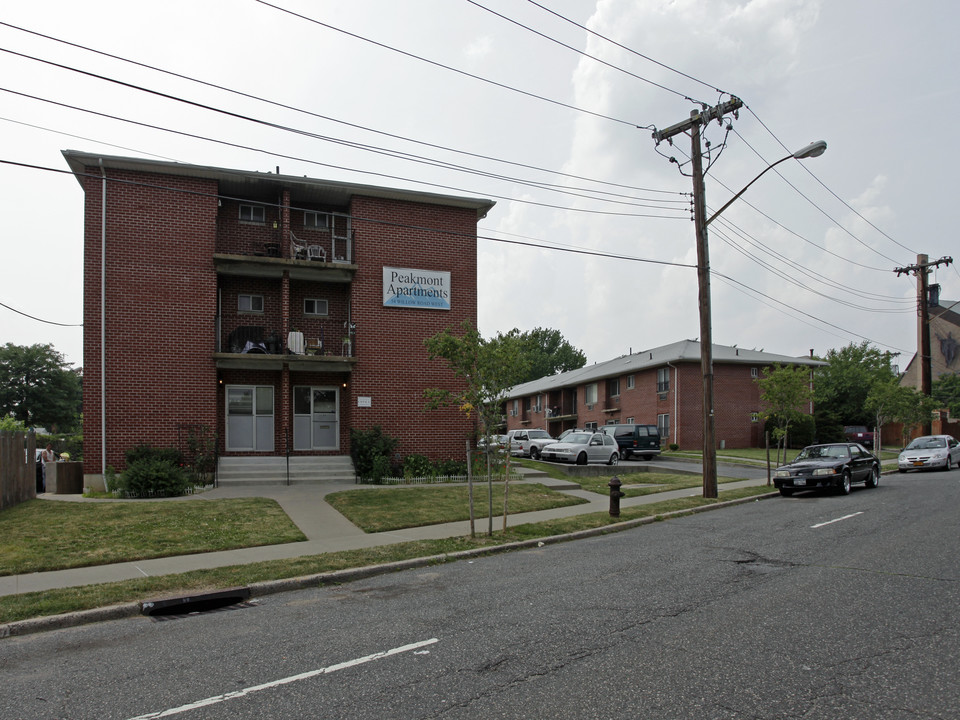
[(392, 367), (160, 307)]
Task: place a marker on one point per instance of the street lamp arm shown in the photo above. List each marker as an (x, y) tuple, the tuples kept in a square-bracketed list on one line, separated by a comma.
[(746, 187)]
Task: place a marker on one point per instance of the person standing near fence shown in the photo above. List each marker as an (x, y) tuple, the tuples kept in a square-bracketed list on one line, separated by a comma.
[(47, 456)]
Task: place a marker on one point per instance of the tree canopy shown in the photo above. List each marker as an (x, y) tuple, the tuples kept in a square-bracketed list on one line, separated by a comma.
[(544, 351), (38, 387), (841, 388), (946, 391)]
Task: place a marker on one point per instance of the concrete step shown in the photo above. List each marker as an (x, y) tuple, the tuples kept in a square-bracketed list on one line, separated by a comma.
[(267, 470)]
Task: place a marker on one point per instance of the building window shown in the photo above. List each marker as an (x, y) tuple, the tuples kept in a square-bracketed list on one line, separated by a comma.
[(663, 425), (250, 303), (613, 421), (663, 380), (253, 214), (754, 417), (526, 405), (515, 409), (314, 306), (630, 421), (754, 373), (538, 403), (590, 394), (590, 426), (317, 220), (613, 387), (630, 384)]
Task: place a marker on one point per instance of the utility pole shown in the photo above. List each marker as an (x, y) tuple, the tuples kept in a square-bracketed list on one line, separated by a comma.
[(697, 119), (922, 270)]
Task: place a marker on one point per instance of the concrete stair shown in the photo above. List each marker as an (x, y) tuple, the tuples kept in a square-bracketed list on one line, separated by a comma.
[(273, 470)]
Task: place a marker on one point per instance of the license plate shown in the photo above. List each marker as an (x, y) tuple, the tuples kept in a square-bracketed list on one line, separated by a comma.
[(918, 462), (799, 481)]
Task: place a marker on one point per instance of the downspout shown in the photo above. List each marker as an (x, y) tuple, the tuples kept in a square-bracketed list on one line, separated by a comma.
[(103, 324), (676, 394)]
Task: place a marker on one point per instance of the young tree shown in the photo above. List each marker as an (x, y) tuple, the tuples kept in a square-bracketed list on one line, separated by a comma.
[(912, 408), (784, 390), (38, 387), (487, 370)]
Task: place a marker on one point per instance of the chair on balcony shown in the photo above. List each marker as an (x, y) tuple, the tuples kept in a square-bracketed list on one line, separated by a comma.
[(314, 346), (315, 252), (298, 250)]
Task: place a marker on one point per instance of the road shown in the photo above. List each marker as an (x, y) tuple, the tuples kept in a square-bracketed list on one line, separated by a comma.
[(815, 606)]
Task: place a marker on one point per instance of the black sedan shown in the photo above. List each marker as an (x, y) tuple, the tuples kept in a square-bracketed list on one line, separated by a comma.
[(837, 466)]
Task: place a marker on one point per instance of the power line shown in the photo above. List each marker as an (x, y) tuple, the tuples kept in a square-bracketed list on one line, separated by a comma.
[(500, 85), (48, 322), (327, 117)]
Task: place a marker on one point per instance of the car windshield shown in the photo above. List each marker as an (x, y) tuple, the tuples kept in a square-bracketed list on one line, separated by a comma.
[(927, 443), (817, 452), (578, 438)]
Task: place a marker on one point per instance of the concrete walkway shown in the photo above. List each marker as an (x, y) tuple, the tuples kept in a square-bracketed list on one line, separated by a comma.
[(329, 531)]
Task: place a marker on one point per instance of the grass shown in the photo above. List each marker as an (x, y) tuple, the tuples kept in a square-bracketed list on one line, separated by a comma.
[(658, 482), (41, 535), (53, 602), (392, 509)]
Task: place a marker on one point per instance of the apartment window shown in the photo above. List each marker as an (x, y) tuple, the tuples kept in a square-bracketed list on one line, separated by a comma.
[(590, 394), (663, 425), (515, 410), (613, 387), (250, 303), (253, 214), (538, 403), (317, 220), (663, 380), (526, 405), (314, 306), (630, 421), (754, 417), (613, 421), (590, 426), (754, 373), (630, 384)]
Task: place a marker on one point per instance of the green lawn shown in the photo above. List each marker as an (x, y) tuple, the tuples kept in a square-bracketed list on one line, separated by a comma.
[(41, 535), (379, 510), (656, 482), (53, 602)]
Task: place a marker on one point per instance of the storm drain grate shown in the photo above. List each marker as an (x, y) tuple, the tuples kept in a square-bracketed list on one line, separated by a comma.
[(181, 607)]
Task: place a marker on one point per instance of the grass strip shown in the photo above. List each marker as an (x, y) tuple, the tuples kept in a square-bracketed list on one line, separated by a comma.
[(380, 510), (55, 602), (41, 535)]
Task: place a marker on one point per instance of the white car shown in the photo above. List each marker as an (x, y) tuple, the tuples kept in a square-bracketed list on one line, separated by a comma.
[(529, 443), (582, 448), (930, 451)]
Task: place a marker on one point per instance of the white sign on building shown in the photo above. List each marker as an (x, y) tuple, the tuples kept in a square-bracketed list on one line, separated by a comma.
[(405, 287)]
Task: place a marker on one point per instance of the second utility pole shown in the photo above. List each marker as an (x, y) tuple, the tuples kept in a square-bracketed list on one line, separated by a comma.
[(692, 125)]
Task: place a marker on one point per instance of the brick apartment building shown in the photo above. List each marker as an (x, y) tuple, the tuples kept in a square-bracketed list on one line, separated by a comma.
[(278, 312), (662, 386)]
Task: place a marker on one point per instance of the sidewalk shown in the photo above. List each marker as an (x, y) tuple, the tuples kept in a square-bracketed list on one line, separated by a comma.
[(326, 530)]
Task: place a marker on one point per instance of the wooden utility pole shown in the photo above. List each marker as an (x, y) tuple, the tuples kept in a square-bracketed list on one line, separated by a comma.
[(697, 119)]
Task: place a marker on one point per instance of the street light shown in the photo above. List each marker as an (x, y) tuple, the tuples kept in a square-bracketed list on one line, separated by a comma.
[(814, 149)]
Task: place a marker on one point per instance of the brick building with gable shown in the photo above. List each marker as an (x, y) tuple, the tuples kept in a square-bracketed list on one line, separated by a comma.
[(277, 312)]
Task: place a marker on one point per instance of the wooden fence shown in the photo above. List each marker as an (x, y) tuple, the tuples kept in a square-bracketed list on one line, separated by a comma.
[(18, 469)]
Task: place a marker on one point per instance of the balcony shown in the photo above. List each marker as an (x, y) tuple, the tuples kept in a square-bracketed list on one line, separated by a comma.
[(253, 347)]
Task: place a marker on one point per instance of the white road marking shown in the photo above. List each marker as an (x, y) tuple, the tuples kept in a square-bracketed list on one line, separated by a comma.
[(285, 681), (828, 522)]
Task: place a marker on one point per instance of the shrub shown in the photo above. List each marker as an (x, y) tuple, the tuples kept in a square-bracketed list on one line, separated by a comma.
[(368, 445), (415, 466), (154, 476), (673, 447), (145, 451), (381, 469)]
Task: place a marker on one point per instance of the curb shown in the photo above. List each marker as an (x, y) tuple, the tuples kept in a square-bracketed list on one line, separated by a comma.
[(31, 626)]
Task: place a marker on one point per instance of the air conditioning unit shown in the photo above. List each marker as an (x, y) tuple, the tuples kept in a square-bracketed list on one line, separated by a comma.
[(661, 396)]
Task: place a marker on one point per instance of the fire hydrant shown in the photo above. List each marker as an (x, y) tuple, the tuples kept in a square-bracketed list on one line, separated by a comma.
[(615, 495)]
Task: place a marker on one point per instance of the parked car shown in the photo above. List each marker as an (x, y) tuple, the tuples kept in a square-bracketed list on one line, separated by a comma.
[(498, 442), (529, 443), (642, 440), (835, 465), (582, 448), (858, 434), (930, 451)]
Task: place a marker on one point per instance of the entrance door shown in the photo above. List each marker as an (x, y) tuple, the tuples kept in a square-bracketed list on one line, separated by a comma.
[(316, 418), (250, 418)]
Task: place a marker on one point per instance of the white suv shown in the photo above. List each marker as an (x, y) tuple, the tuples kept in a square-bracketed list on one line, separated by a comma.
[(529, 443)]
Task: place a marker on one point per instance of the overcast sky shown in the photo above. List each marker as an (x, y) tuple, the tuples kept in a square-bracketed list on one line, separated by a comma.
[(547, 117)]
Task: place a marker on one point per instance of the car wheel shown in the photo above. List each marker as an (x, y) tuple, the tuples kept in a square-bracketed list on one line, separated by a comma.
[(614, 459), (948, 466), (623, 455), (535, 453), (786, 492), (874, 478), (901, 470), (582, 459), (845, 483)]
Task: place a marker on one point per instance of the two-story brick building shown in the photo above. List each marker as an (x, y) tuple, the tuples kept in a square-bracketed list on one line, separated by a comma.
[(278, 312), (662, 386)]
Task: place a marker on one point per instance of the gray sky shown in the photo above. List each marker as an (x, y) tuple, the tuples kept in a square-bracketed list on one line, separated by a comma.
[(804, 260)]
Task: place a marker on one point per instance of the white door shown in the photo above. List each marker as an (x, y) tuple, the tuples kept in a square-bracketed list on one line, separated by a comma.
[(316, 418), (250, 418)]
